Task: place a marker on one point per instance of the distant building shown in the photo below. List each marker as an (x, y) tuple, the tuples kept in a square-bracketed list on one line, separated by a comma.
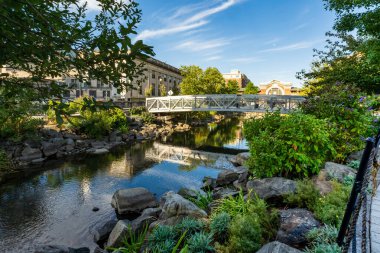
[(235, 74), (276, 87)]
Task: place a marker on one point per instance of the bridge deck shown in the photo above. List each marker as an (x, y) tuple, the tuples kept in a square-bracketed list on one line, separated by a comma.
[(223, 103)]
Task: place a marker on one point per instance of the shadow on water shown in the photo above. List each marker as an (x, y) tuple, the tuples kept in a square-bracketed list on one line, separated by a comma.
[(55, 205)]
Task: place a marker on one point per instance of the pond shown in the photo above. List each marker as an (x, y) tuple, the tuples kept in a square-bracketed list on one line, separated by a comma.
[(55, 205)]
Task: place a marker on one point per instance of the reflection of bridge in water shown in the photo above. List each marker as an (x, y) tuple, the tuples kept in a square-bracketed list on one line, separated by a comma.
[(186, 156), (223, 103)]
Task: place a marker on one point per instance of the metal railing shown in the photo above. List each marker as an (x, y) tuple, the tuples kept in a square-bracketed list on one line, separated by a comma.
[(225, 103), (357, 215)]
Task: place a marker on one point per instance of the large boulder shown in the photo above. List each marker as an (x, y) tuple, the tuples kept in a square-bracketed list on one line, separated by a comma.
[(226, 177), (323, 186), (295, 224), (125, 228), (336, 171), (355, 156), (272, 189), (208, 183), (188, 193), (50, 149), (243, 174), (221, 193), (175, 205), (277, 247), (241, 158), (103, 230), (29, 154), (59, 249), (133, 200)]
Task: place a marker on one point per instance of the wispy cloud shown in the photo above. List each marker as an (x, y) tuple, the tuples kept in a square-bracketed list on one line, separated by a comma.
[(197, 45), (301, 26), (291, 47), (246, 60), (194, 21), (213, 58)]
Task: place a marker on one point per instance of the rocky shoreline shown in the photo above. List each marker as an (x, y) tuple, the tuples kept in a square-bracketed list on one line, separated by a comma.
[(137, 208), (54, 145)]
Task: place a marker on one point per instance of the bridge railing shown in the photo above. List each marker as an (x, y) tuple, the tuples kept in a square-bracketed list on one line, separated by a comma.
[(233, 103)]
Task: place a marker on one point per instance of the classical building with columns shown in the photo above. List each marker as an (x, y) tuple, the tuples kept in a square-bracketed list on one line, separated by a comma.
[(276, 87)]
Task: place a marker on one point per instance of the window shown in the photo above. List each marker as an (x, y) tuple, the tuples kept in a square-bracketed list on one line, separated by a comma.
[(92, 93), (164, 79), (140, 89), (77, 93), (72, 80), (106, 94), (274, 91), (66, 94), (153, 75), (154, 89)]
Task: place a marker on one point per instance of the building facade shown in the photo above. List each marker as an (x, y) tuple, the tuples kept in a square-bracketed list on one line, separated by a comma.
[(237, 75), (276, 87)]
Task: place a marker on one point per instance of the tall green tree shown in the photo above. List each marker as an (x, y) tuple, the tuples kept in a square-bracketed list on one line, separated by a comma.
[(352, 54), (251, 89), (51, 38), (213, 81), (192, 80), (232, 87)]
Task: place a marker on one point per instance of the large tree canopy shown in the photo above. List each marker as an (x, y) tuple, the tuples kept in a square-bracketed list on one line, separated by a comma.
[(352, 54)]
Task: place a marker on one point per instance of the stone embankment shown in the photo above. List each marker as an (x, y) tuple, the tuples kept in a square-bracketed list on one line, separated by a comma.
[(172, 208), (54, 145)]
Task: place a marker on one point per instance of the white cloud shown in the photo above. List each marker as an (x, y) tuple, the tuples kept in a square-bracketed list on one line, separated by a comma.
[(197, 45), (92, 5), (291, 47), (189, 23), (213, 58), (301, 26), (246, 60)]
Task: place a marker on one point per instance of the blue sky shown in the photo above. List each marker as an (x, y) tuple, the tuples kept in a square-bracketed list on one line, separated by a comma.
[(265, 39)]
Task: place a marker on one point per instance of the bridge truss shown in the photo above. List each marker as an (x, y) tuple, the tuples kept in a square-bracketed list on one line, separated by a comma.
[(223, 103)]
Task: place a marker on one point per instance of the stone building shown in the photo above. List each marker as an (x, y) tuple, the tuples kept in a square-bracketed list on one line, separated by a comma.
[(276, 87), (237, 75)]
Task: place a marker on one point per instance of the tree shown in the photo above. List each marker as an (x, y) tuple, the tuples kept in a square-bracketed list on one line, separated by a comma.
[(163, 90), (148, 91), (232, 87), (251, 89), (213, 81), (51, 38), (352, 53)]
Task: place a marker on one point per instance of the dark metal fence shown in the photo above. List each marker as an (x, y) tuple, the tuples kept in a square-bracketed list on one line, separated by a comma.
[(356, 216)]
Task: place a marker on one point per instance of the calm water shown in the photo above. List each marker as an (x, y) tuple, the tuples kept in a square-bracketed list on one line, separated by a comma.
[(55, 206)]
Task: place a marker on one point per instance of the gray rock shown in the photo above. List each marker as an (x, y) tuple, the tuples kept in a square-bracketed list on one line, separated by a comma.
[(59, 249), (208, 183), (224, 193), (243, 173), (226, 177), (272, 189), (49, 149), (98, 144), (355, 156), (133, 200), (38, 160), (277, 247), (295, 224), (100, 250), (102, 231), (154, 212), (72, 136), (70, 141), (98, 151), (336, 171), (187, 193), (29, 154), (58, 140), (173, 205), (242, 158), (323, 186)]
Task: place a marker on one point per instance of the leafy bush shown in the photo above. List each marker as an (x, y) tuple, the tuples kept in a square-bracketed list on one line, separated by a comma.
[(219, 226), (323, 240), (349, 115), (166, 246), (202, 200), (22, 128), (330, 208), (147, 117), (162, 236), (245, 234), (200, 242), (292, 146), (306, 195), (138, 110), (354, 164), (190, 226)]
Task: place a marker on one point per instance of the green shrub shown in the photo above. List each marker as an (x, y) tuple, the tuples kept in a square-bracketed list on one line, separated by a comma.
[(200, 242), (147, 117), (323, 240), (354, 164), (349, 115), (132, 243), (18, 129), (138, 110), (190, 226), (163, 236), (245, 234), (219, 226), (306, 195), (292, 146), (166, 246), (202, 200), (330, 208), (5, 163)]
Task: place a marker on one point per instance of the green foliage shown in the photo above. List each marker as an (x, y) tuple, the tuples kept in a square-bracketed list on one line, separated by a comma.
[(245, 234), (354, 164), (197, 81), (349, 116), (232, 87), (147, 117), (161, 234), (306, 195), (163, 91), (133, 242), (323, 240), (21, 128), (292, 146), (330, 208), (251, 89), (219, 226), (202, 200), (190, 226), (200, 242), (148, 91), (5, 162), (138, 110)]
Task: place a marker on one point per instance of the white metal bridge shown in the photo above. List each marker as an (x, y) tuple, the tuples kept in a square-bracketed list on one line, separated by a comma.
[(223, 103)]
